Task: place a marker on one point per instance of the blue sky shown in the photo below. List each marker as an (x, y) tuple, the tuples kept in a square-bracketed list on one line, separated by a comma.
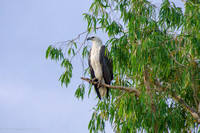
[(30, 94), (31, 97)]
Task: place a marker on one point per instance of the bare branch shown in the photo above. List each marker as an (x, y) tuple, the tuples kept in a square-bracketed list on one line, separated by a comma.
[(85, 39), (128, 89), (79, 35), (81, 44)]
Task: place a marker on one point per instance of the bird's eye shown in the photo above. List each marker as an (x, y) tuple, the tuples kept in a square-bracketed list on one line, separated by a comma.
[(92, 37)]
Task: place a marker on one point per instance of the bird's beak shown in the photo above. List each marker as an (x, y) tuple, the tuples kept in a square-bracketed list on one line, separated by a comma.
[(89, 38)]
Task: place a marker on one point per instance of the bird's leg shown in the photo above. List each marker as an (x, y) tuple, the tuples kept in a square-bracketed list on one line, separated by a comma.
[(99, 83)]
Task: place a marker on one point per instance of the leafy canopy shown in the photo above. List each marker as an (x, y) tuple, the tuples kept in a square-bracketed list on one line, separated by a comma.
[(157, 52)]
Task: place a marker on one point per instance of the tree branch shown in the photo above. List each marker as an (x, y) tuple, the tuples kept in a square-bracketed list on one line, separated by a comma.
[(81, 44), (148, 88), (128, 89), (149, 91), (175, 59), (187, 107), (78, 37), (192, 111)]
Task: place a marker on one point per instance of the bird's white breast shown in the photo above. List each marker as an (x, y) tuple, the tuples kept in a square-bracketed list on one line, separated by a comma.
[(95, 61)]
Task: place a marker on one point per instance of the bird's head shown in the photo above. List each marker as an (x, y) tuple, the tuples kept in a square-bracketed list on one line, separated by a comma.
[(94, 39)]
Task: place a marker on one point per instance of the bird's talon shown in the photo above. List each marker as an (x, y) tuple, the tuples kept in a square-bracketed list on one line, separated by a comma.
[(99, 83), (94, 80)]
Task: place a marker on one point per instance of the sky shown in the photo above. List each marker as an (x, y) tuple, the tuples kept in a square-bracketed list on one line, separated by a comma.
[(31, 97)]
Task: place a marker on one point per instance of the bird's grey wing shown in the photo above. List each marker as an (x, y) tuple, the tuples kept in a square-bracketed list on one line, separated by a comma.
[(93, 76), (91, 69), (107, 67)]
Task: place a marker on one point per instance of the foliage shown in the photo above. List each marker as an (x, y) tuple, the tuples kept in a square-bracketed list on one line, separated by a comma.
[(159, 53)]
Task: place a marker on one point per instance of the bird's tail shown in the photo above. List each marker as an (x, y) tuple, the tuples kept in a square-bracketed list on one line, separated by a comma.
[(103, 91)]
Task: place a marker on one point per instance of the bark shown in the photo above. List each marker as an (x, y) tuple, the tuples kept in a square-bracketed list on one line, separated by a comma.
[(127, 89)]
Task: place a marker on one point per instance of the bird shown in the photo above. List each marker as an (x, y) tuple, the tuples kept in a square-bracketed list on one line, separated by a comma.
[(101, 67)]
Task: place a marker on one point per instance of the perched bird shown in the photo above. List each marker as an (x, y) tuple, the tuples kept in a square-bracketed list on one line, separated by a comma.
[(101, 68)]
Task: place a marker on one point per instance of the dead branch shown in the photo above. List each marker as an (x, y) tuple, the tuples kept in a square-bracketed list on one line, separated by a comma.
[(128, 89)]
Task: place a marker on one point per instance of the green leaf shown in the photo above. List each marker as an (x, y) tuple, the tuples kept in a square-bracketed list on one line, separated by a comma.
[(67, 75), (54, 53), (80, 91), (48, 51)]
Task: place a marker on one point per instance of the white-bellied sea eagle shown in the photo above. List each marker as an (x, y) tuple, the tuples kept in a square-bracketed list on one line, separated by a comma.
[(101, 68)]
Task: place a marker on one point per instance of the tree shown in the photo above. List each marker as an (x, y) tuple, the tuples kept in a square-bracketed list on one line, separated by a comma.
[(157, 53)]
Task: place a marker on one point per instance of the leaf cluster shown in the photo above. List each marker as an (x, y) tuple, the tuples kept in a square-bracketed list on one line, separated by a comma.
[(158, 53), (140, 42)]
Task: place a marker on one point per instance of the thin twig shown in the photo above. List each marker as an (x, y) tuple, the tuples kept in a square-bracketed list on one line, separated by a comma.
[(79, 35), (175, 59), (128, 89), (81, 44)]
